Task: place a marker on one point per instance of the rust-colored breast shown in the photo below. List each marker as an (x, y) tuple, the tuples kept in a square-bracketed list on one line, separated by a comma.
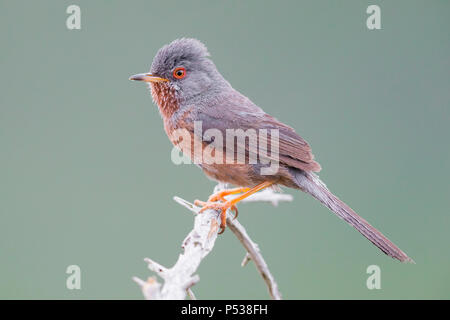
[(179, 128), (164, 97)]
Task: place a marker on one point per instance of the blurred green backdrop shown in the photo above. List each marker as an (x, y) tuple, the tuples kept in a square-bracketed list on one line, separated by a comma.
[(86, 176)]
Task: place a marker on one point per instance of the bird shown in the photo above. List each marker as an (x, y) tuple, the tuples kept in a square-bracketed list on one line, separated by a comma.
[(188, 89)]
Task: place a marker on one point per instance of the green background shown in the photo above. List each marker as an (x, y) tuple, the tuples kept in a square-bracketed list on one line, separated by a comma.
[(86, 176)]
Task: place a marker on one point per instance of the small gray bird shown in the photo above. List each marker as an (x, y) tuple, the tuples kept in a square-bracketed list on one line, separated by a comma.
[(188, 89)]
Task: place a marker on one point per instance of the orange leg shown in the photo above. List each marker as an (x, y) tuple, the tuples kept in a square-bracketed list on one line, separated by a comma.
[(221, 194), (229, 204)]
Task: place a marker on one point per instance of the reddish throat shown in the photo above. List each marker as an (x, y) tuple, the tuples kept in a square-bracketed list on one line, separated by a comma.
[(164, 97)]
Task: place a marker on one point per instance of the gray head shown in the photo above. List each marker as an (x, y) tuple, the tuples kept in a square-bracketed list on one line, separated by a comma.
[(185, 67)]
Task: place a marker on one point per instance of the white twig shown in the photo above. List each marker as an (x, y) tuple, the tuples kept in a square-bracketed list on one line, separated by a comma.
[(267, 195), (191, 294), (254, 254), (179, 279)]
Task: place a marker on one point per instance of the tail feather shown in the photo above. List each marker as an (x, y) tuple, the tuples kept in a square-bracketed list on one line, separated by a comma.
[(311, 184)]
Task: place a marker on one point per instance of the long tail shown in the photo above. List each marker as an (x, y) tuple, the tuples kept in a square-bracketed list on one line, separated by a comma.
[(311, 184)]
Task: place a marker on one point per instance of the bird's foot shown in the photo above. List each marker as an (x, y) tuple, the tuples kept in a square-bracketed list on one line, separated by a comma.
[(222, 206)]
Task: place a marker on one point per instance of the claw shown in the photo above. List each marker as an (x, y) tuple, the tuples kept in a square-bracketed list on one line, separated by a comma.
[(222, 206), (223, 224), (236, 211)]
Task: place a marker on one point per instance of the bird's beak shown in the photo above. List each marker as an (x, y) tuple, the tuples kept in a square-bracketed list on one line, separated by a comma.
[(147, 77)]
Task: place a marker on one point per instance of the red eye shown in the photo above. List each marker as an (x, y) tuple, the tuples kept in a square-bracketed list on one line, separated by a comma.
[(179, 73)]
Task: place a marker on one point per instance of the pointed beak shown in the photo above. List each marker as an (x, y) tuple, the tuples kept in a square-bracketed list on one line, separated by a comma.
[(147, 77)]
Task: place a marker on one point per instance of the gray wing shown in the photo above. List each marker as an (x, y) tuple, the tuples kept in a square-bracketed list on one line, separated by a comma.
[(238, 112)]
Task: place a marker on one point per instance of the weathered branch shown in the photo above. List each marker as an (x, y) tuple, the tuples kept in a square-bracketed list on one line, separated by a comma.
[(179, 279), (254, 254)]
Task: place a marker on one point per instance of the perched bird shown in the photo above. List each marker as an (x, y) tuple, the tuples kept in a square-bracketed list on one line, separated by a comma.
[(188, 89)]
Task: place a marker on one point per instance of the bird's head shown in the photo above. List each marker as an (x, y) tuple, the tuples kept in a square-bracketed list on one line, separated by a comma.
[(182, 68)]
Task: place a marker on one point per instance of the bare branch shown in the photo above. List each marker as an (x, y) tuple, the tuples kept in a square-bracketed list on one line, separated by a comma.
[(179, 279), (150, 288), (191, 294), (254, 254), (267, 195)]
